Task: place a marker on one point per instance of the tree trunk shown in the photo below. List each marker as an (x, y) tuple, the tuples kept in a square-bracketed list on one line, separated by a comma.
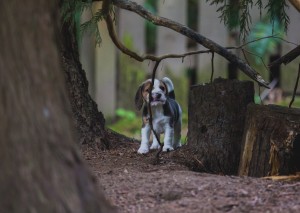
[(41, 168), (217, 113), (271, 141), (89, 122)]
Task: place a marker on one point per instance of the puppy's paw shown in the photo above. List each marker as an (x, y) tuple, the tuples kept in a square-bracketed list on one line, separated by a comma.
[(168, 148), (143, 150), (177, 146), (155, 146)]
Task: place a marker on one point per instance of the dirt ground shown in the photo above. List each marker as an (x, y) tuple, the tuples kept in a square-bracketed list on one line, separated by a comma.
[(133, 184)]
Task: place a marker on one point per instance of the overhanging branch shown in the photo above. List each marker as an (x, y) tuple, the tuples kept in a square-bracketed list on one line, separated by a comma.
[(125, 50), (184, 30), (287, 58), (296, 4)]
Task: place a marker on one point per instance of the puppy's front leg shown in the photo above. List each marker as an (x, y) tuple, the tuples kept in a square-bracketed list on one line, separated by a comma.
[(155, 144), (144, 148), (169, 132)]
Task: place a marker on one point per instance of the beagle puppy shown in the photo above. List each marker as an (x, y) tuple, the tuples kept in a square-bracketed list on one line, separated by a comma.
[(166, 114)]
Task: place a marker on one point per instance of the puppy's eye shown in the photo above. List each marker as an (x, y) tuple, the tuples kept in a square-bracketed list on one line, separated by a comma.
[(147, 90), (162, 88)]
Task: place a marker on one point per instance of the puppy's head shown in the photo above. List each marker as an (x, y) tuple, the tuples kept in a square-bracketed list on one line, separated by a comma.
[(158, 94)]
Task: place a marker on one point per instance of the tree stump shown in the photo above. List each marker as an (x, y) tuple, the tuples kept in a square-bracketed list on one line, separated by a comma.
[(271, 141), (217, 113)]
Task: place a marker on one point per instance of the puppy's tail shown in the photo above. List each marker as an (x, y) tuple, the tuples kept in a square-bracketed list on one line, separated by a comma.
[(170, 87)]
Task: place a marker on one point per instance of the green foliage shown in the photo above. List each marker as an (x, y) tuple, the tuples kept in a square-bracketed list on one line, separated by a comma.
[(287, 100), (127, 123), (128, 41), (131, 75), (237, 13), (127, 114), (91, 26), (71, 12), (71, 9), (276, 10), (265, 47)]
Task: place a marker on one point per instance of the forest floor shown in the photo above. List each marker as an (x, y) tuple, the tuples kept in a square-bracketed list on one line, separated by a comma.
[(132, 183)]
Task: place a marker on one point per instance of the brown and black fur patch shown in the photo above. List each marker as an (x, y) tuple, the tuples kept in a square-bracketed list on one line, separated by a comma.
[(146, 89), (163, 87), (145, 116), (140, 95)]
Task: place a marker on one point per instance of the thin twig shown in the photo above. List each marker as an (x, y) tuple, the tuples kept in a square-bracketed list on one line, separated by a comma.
[(245, 56), (212, 67), (150, 111), (262, 61), (287, 58), (295, 88), (262, 38)]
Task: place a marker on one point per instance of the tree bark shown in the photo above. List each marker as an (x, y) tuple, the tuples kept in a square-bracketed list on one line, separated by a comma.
[(41, 168), (217, 113), (287, 58), (270, 141), (89, 122)]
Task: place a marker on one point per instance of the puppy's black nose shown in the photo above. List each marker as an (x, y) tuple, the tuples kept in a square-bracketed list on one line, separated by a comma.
[(158, 95)]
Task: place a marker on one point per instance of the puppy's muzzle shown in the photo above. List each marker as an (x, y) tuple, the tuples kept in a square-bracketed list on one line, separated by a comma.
[(157, 98)]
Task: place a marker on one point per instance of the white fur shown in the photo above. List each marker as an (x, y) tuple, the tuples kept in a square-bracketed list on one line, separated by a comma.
[(161, 124), (169, 84)]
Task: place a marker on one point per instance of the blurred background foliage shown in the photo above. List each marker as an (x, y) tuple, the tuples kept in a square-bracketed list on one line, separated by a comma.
[(235, 14), (265, 47)]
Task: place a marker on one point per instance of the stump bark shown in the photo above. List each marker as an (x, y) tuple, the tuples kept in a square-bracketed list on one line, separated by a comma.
[(217, 113), (271, 141)]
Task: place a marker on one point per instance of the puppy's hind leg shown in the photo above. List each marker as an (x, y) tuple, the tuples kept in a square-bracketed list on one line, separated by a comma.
[(168, 140), (177, 135)]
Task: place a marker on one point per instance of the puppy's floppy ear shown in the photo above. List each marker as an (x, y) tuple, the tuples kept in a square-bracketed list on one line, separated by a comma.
[(170, 87), (139, 98)]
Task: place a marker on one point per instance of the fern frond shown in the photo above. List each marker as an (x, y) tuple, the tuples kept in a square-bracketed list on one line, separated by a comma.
[(277, 10), (72, 9), (91, 26), (245, 18), (231, 9), (259, 4), (224, 10)]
